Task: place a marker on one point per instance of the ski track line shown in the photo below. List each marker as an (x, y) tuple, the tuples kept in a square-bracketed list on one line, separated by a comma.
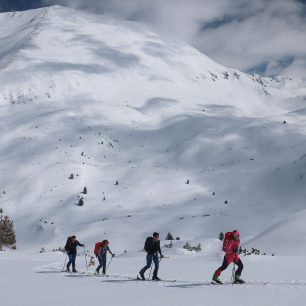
[(246, 285), (113, 278)]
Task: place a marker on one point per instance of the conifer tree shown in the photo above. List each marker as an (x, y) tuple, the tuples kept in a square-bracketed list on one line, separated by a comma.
[(169, 236), (81, 202), (7, 233)]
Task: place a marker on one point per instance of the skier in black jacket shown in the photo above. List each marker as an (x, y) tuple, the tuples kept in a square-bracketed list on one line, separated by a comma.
[(152, 246), (71, 249)]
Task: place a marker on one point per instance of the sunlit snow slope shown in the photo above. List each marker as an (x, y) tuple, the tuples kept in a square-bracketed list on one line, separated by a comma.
[(110, 101)]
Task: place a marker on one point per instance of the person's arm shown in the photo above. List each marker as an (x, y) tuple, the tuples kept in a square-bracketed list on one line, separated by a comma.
[(108, 249), (231, 247), (80, 244)]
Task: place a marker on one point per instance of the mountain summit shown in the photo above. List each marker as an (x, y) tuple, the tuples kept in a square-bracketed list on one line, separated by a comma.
[(57, 53)]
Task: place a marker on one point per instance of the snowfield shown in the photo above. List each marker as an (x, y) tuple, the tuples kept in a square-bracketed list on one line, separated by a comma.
[(165, 140), (31, 280)]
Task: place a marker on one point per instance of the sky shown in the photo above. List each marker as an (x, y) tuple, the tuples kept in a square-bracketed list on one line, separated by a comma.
[(256, 36)]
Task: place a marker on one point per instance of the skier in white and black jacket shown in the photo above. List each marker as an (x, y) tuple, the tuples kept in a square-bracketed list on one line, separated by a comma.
[(152, 247)]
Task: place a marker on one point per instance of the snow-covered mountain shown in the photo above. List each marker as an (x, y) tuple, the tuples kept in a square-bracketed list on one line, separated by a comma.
[(110, 101)]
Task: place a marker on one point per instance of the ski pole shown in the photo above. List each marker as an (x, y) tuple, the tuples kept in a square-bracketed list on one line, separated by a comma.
[(109, 263), (65, 262), (85, 259)]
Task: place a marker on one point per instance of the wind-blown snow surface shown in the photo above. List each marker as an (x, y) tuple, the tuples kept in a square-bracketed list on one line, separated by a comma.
[(110, 101)]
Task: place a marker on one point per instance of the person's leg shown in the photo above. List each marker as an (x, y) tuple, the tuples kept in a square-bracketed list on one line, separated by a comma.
[(73, 257), (100, 265), (104, 264), (148, 265), (240, 267), (156, 265), (222, 268), (69, 261)]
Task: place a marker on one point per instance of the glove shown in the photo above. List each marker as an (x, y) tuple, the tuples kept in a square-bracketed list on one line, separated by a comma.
[(162, 256), (113, 255)]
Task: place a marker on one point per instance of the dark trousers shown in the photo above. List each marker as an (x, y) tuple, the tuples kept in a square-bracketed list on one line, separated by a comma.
[(151, 258), (71, 261), (102, 263), (225, 265)]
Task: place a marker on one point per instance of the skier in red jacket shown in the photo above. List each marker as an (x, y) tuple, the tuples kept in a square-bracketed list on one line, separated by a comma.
[(231, 255)]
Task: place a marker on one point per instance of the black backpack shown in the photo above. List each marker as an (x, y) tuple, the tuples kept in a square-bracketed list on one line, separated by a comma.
[(68, 242), (148, 244)]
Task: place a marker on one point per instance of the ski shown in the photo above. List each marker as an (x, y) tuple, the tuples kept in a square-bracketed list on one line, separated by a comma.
[(155, 281)]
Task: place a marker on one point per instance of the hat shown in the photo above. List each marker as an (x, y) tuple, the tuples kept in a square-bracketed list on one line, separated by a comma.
[(236, 233)]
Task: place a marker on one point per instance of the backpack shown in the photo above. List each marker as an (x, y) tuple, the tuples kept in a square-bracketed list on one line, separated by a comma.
[(97, 247), (227, 237), (68, 242), (148, 244)]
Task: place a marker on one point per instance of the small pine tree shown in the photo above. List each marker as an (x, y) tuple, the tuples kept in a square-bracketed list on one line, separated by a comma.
[(1, 210), (7, 233), (169, 236), (71, 177), (85, 190), (117, 183), (221, 236), (81, 202), (226, 75)]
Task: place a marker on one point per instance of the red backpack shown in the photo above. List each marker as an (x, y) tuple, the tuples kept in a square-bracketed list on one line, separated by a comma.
[(97, 247), (228, 236)]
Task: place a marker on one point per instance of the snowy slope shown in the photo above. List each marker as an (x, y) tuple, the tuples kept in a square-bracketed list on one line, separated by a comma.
[(110, 101)]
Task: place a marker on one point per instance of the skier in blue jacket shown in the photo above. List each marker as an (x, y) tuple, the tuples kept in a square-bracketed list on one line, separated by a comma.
[(102, 256)]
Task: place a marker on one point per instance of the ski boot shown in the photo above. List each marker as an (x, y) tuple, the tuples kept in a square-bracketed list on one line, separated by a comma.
[(97, 272), (142, 277), (216, 280), (74, 271), (156, 278), (238, 280)]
